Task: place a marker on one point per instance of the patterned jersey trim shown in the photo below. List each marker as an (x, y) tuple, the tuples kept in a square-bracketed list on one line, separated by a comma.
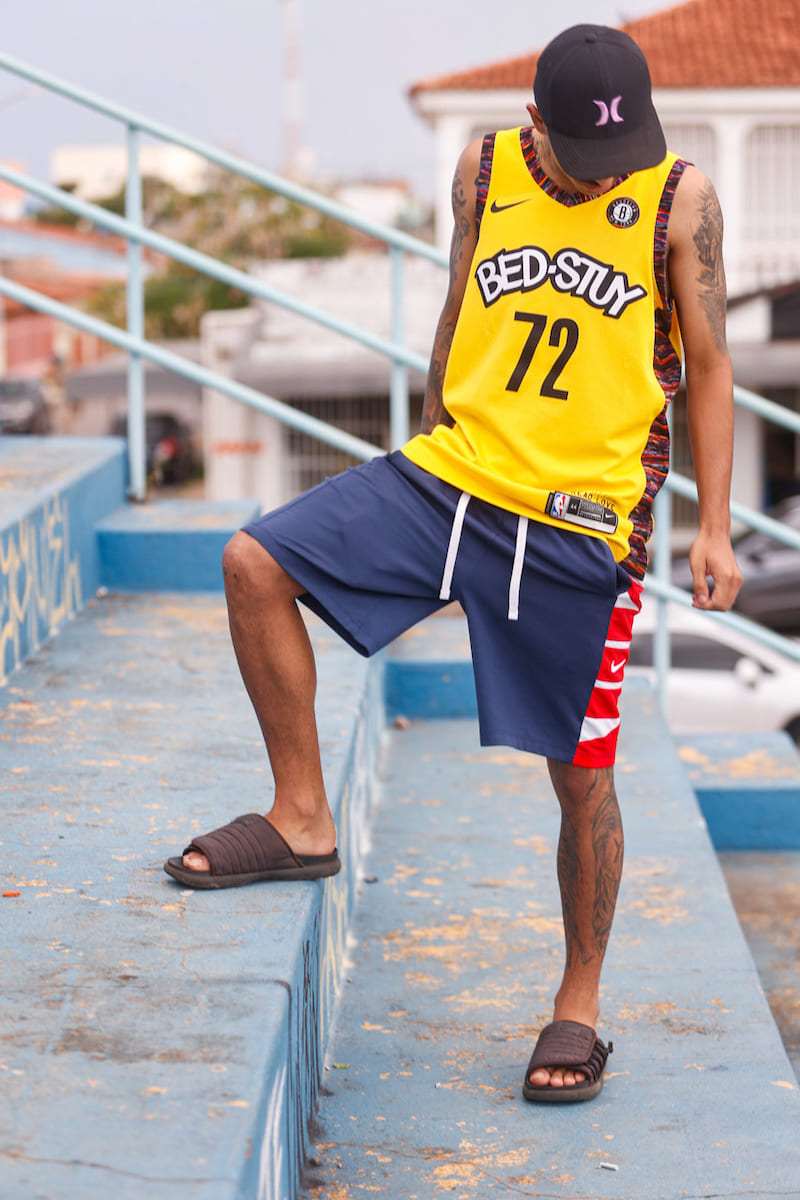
[(484, 175), (667, 368), (568, 199)]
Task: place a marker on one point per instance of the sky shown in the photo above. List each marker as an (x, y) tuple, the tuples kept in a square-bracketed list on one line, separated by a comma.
[(214, 69)]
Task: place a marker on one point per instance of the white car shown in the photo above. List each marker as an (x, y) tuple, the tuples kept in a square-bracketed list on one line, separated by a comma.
[(720, 680)]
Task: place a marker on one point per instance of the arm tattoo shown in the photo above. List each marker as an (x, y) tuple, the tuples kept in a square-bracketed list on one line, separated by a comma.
[(707, 234), (434, 412)]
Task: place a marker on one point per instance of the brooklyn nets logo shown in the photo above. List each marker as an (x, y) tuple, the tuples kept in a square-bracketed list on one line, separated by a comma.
[(623, 212)]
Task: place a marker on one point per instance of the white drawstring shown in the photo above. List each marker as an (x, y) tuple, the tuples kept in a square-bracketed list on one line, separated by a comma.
[(452, 549), (452, 555), (516, 573)]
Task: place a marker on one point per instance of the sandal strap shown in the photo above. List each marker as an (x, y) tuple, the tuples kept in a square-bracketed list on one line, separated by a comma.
[(246, 845), (571, 1044)]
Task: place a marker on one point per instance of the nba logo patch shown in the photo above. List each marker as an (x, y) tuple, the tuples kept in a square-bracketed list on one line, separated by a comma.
[(558, 506), (623, 212)]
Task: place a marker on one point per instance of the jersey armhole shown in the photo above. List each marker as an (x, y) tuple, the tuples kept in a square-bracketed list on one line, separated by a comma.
[(484, 176), (660, 239)]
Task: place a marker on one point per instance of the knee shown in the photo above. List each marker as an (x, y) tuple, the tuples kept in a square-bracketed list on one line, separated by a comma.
[(249, 571), (582, 789)]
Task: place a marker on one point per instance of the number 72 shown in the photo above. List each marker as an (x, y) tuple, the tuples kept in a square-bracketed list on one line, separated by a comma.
[(538, 323)]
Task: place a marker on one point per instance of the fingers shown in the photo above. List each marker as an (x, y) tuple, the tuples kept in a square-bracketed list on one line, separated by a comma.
[(717, 561), (724, 594)]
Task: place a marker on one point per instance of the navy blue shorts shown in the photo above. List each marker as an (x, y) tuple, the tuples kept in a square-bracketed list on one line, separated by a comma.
[(385, 544)]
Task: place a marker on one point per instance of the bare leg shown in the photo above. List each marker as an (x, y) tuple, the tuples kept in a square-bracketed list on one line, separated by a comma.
[(590, 853), (277, 665)]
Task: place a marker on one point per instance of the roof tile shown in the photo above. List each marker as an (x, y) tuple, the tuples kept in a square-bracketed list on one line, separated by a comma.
[(700, 44)]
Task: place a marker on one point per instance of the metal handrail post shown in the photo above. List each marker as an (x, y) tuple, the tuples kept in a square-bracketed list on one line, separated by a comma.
[(135, 324), (398, 396)]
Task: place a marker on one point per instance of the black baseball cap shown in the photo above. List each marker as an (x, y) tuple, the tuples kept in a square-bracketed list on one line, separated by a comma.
[(593, 91)]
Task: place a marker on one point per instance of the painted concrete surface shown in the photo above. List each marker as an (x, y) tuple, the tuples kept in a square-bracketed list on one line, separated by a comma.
[(52, 491), (765, 888), (157, 1041), (31, 467), (458, 953), (169, 545), (748, 785)]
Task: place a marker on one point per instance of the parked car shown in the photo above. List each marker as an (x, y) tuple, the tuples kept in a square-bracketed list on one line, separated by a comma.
[(770, 592), (720, 680), (169, 453), (22, 407)]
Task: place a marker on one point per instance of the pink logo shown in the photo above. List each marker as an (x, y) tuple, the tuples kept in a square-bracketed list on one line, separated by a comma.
[(609, 111)]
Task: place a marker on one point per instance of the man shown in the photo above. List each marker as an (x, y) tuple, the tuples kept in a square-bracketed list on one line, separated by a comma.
[(578, 243)]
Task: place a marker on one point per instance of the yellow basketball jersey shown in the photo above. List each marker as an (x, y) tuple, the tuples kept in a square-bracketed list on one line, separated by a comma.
[(565, 353)]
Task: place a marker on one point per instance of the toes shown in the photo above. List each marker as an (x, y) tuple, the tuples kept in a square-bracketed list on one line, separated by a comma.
[(196, 862), (557, 1078), (540, 1077)]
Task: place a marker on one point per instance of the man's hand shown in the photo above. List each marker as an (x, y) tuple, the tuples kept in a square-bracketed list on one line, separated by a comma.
[(714, 556)]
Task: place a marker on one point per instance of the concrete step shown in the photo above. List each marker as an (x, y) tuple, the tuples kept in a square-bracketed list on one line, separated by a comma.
[(748, 785), (158, 1041), (66, 532), (52, 490), (458, 954), (169, 545), (765, 889)]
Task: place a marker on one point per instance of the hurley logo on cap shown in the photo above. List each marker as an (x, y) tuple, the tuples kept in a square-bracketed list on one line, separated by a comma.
[(593, 93), (609, 111)]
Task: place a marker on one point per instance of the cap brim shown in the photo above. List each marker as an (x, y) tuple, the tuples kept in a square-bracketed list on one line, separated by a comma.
[(601, 157)]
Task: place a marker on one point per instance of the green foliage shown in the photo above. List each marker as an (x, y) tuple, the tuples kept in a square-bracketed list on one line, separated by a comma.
[(234, 221)]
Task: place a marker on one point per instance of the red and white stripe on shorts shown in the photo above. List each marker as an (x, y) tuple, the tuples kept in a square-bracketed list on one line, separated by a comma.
[(597, 745)]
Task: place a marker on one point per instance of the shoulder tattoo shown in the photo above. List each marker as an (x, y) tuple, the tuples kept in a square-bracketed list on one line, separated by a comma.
[(707, 235), (461, 220)]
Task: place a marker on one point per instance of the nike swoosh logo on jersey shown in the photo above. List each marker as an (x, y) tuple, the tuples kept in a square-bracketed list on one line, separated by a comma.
[(617, 666), (497, 208)]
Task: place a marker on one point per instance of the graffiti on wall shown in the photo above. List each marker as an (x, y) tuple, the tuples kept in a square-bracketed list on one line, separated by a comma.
[(40, 581), (272, 1182)]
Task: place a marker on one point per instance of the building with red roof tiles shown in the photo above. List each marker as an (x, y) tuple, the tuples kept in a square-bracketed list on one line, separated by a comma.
[(726, 80)]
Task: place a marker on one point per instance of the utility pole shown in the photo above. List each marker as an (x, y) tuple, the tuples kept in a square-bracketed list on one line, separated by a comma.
[(292, 156)]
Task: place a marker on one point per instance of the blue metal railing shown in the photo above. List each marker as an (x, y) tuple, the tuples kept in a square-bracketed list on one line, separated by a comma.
[(398, 244)]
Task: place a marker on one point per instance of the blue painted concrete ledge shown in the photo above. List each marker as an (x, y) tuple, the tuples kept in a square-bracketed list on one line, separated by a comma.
[(67, 531), (748, 786), (169, 546)]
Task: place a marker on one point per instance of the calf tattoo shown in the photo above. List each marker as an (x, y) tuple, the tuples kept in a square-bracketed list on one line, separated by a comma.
[(590, 853)]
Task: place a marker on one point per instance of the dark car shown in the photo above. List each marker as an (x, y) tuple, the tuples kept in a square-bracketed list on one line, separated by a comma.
[(770, 592), (169, 454), (22, 407)]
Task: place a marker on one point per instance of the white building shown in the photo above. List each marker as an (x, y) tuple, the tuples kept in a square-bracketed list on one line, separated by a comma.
[(96, 172), (726, 84)]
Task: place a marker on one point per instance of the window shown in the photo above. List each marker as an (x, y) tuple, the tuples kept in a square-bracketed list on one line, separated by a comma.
[(772, 181), (695, 143)]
